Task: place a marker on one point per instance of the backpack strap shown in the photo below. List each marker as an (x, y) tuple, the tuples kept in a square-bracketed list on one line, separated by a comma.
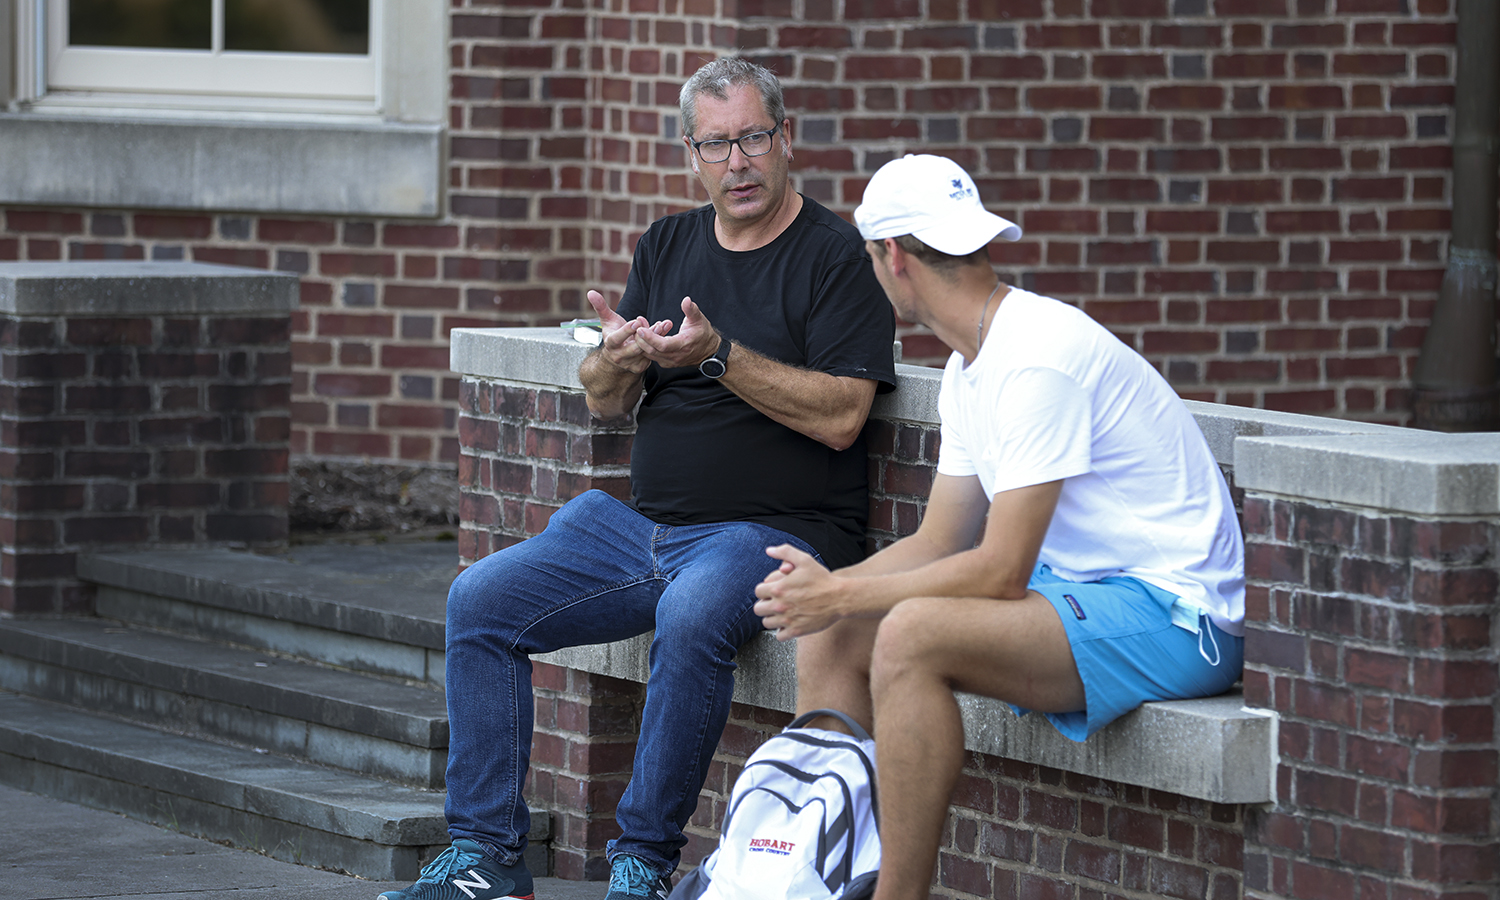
[(854, 727)]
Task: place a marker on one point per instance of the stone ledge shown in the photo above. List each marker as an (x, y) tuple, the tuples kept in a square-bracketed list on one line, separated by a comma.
[(1212, 749), (266, 165), (548, 357), (1222, 425), (1398, 470), (142, 289)]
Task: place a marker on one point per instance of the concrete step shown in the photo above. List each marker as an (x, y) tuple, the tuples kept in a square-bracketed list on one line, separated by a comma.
[(371, 608), (376, 726), (287, 809)]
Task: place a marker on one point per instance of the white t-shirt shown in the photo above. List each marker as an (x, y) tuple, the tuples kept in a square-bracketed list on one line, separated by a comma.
[(1053, 395)]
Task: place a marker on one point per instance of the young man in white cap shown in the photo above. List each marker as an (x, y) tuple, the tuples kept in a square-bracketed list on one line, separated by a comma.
[(1110, 569)]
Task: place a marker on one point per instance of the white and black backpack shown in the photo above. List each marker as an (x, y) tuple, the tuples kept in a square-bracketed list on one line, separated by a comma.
[(802, 821)]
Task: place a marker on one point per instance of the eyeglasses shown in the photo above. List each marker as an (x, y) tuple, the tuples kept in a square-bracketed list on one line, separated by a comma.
[(756, 143)]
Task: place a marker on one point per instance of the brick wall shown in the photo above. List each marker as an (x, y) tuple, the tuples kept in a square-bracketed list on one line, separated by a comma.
[(1371, 636), (1253, 193), (124, 431), (527, 451), (1017, 830)]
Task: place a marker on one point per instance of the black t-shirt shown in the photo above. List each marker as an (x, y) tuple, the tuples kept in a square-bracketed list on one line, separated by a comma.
[(808, 299)]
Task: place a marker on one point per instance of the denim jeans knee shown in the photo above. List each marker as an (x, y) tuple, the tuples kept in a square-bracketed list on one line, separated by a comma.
[(600, 572)]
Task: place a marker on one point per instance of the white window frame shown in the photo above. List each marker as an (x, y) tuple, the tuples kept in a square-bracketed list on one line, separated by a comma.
[(403, 78), (375, 150), (306, 81)]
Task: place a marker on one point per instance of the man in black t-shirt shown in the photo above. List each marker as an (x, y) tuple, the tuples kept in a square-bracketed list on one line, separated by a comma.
[(750, 342)]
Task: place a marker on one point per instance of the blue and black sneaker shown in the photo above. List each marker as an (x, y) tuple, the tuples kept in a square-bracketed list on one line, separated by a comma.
[(466, 872), (632, 879)]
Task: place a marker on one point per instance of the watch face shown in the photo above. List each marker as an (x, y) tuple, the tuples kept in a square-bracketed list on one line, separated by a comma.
[(713, 367)]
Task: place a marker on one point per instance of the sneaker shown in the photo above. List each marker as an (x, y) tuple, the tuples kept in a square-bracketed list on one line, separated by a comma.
[(465, 872), (629, 877)]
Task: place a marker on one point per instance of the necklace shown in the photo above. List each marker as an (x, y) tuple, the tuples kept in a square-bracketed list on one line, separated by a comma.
[(979, 330)]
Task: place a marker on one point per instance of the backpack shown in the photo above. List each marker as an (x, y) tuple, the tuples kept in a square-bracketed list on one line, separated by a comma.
[(802, 822)]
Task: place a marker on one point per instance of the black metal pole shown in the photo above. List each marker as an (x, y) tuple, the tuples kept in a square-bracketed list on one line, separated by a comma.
[(1454, 385)]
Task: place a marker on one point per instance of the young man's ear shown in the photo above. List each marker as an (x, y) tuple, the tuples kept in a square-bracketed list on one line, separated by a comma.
[(895, 254)]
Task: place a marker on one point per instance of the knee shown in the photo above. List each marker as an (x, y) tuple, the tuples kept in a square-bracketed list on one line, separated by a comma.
[(471, 597), (835, 656), (904, 644)]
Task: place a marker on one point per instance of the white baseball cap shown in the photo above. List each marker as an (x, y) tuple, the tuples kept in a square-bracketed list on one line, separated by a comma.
[(933, 199)]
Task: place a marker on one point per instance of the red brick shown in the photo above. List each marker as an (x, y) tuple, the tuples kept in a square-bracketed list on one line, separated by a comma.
[(1007, 68), (173, 227), (1369, 127), (1269, 66), (883, 68), (1065, 97), (1198, 97), (43, 221), (1128, 66), (296, 231), (397, 235), (1306, 96), (1074, 37), (1188, 35)]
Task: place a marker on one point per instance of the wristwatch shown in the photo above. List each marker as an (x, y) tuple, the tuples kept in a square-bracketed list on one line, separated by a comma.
[(714, 366)]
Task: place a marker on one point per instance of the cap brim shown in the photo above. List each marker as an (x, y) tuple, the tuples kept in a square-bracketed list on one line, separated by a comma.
[(962, 235)]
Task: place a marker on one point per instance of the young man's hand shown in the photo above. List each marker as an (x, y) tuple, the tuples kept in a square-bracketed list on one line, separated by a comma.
[(800, 596)]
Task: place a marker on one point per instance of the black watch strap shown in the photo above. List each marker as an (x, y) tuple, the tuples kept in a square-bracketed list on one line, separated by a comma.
[(715, 366)]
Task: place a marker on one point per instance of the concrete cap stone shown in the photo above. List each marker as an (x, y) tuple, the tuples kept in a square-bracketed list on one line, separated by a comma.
[(540, 356), (135, 288), (1221, 424), (1401, 471)]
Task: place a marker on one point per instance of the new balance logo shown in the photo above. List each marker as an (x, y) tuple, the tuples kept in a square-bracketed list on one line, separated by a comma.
[(478, 882)]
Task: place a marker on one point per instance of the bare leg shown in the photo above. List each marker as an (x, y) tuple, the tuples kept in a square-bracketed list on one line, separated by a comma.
[(833, 672), (1013, 650)]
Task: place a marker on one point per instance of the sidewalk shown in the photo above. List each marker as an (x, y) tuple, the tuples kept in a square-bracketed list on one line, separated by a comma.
[(54, 850)]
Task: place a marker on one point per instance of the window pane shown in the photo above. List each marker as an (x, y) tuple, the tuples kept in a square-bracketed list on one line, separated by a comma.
[(298, 26), (173, 24)]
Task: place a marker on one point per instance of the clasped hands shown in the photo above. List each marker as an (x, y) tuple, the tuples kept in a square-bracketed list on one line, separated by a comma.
[(635, 344), (799, 597)]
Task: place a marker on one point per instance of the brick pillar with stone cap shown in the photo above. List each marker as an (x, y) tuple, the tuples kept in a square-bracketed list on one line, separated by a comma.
[(141, 404)]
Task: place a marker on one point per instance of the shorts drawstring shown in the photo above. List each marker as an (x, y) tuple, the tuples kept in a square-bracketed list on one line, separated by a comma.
[(1208, 628)]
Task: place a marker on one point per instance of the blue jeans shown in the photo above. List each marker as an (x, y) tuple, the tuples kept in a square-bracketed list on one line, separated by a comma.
[(600, 572)]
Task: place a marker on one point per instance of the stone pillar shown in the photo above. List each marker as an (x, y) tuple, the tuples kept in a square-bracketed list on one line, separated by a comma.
[(1373, 576), (141, 404)]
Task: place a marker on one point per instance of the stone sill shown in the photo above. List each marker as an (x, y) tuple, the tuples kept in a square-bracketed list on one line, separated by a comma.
[(265, 164)]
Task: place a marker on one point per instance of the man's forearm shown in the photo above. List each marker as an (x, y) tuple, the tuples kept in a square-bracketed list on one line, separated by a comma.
[(610, 391), (829, 409)]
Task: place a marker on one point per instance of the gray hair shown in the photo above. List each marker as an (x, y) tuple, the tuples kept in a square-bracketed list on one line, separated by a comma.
[(715, 80)]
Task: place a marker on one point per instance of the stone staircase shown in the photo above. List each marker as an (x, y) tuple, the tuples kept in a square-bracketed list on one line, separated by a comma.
[(287, 703)]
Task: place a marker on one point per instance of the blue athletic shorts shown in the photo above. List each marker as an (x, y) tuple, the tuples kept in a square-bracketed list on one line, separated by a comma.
[(1128, 651)]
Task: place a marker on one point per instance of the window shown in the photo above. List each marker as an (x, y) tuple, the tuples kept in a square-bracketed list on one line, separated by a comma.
[(291, 54), (310, 106)]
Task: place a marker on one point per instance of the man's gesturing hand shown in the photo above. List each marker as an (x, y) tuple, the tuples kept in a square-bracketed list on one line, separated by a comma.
[(800, 597), (620, 345), (694, 342)]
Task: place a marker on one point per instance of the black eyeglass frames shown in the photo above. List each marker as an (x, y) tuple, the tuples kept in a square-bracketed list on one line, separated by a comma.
[(756, 143)]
